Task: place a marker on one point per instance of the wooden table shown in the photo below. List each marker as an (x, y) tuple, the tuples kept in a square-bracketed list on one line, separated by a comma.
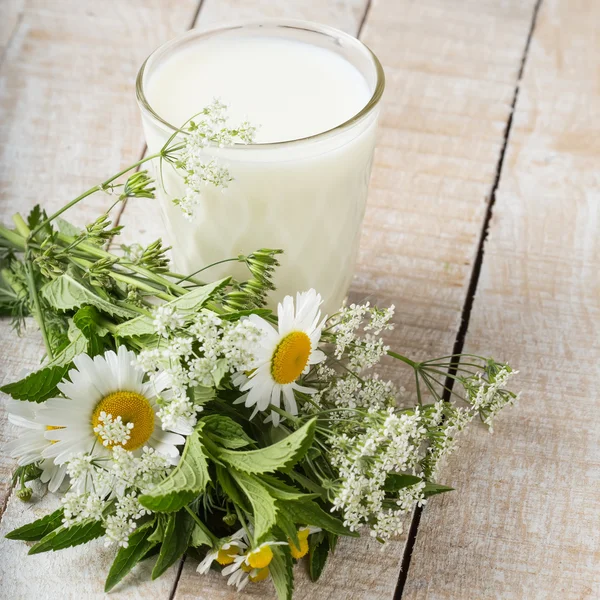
[(482, 228)]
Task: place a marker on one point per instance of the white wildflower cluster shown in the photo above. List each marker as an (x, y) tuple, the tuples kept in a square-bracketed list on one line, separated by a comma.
[(166, 320), (349, 327), (210, 128), (106, 489), (370, 394), (389, 443), (488, 397), (113, 431)]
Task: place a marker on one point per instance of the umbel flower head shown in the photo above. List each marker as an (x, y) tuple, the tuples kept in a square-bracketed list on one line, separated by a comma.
[(283, 355), (107, 404)]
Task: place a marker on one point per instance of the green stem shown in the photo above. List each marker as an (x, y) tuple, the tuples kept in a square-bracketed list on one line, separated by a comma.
[(93, 190), (13, 237), (404, 359), (283, 413), (38, 308), (219, 262), (201, 525)]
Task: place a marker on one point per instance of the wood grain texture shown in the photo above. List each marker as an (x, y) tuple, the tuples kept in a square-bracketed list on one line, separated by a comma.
[(523, 522)]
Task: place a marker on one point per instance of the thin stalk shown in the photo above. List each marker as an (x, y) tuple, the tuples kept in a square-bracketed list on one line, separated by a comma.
[(38, 308), (219, 262), (13, 237), (404, 359), (93, 190)]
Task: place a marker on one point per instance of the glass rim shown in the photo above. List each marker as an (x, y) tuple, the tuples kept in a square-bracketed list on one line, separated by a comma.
[(326, 30)]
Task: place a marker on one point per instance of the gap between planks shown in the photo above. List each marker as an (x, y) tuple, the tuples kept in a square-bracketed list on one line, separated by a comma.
[(471, 291)]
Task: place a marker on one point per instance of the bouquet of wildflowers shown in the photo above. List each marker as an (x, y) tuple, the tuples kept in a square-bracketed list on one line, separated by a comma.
[(176, 414)]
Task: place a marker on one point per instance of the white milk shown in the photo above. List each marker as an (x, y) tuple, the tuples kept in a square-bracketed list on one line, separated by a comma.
[(306, 197)]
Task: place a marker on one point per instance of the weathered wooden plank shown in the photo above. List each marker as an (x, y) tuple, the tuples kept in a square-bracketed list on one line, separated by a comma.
[(68, 118), (524, 520), (11, 13), (450, 87)]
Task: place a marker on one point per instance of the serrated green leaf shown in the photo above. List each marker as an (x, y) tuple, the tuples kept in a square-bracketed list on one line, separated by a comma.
[(225, 432), (66, 293), (65, 537), (397, 481), (38, 529), (175, 543), (318, 552), (185, 483), (199, 537), (276, 457), (220, 370), (67, 228), (203, 394), (188, 304), (308, 512), (263, 504), (281, 570), (37, 386), (139, 544), (78, 344), (431, 489)]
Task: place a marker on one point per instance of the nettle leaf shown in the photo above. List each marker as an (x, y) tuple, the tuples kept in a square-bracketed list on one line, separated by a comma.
[(318, 552), (280, 569), (66, 293), (38, 529), (431, 489), (188, 305), (185, 483), (276, 457), (175, 543), (37, 386), (225, 432), (263, 504), (139, 544), (308, 512), (398, 481), (78, 344), (65, 537)]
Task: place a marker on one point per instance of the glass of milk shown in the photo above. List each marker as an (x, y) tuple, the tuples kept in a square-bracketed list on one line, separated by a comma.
[(313, 92)]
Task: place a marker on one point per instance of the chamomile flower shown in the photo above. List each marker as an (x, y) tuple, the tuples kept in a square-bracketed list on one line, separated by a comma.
[(224, 552), (251, 566), (107, 405), (28, 447), (283, 355)]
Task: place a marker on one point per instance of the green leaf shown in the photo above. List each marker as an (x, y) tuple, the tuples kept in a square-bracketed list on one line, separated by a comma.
[(221, 368), (126, 558), (87, 320), (159, 531), (225, 432), (263, 504), (200, 537), (308, 512), (281, 491), (431, 489), (397, 481), (66, 293), (78, 345), (188, 305), (276, 457), (281, 572), (37, 386), (288, 527), (185, 483), (203, 394), (67, 228), (65, 537), (38, 529), (177, 537), (318, 552)]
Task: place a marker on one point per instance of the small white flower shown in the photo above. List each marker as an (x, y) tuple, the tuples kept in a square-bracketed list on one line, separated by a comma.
[(167, 319)]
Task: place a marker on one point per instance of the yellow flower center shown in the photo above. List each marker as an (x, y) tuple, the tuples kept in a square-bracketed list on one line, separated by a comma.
[(132, 408), (52, 428), (290, 357), (260, 558), (303, 541), (260, 576), (225, 557)]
